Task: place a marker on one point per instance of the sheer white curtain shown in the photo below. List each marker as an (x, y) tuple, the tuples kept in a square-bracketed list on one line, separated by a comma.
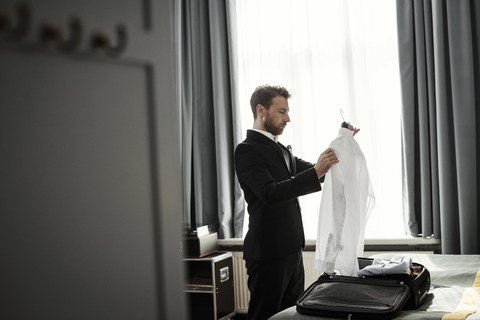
[(330, 55)]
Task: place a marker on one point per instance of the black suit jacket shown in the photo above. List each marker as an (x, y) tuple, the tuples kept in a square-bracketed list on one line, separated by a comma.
[(275, 224)]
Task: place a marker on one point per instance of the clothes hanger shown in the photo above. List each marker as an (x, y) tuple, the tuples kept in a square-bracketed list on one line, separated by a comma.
[(344, 123)]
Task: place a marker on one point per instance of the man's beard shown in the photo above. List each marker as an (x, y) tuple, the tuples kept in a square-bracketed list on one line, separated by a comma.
[(270, 126)]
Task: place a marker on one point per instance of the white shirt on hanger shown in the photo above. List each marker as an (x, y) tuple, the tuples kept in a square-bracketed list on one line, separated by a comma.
[(347, 200)]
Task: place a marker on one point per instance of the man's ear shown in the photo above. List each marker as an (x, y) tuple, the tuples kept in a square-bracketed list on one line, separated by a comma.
[(260, 110)]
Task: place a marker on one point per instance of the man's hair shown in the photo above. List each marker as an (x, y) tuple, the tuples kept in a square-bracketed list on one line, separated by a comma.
[(264, 95)]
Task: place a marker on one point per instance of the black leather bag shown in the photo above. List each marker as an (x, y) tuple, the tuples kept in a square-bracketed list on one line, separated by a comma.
[(418, 281), (379, 297)]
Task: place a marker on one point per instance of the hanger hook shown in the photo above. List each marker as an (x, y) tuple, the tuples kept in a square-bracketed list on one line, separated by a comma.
[(341, 113)]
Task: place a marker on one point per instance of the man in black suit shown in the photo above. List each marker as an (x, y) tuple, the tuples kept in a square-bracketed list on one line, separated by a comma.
[(272, 179)]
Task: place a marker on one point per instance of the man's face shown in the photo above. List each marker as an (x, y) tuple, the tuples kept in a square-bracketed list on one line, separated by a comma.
[(276, 117)]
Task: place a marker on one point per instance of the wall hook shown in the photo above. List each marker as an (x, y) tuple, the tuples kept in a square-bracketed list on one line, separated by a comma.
[(20, 31), (101, 43), (75, 36), (4, 24), (51, 35)]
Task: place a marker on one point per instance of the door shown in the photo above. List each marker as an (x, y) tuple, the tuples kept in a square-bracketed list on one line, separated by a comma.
[(90, 161)]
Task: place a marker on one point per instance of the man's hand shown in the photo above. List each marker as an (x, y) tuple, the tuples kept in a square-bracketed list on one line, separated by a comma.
[(325, 161), (350, 127)]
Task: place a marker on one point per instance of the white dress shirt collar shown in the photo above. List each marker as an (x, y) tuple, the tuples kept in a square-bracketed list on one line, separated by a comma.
[(267, 134)]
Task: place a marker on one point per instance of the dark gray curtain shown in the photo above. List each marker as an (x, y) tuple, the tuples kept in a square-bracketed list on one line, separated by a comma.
[(210, 123), (439, 65)]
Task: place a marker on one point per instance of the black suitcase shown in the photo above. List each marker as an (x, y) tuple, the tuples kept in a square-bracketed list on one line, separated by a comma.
[(418, 281), (379, 297)]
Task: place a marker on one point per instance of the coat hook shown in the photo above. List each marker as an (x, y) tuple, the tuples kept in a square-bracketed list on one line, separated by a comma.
[(4, 23), (51, 35), (18, 32), (75, 36), (24, 19), (101, 43)]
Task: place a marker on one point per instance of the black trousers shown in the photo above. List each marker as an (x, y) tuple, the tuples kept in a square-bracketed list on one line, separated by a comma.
[(274, 285)]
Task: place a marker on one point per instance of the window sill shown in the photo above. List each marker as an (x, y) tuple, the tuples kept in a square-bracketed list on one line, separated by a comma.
[(380, 245)]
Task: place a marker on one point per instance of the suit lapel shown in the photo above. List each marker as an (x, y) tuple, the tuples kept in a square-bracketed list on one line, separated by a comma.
[(277, 147), (293, 165)]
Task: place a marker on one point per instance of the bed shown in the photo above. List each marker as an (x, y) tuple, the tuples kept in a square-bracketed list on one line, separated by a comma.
[(450, 276)]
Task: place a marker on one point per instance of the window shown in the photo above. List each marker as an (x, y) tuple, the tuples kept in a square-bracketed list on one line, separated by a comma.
[(330, 55)]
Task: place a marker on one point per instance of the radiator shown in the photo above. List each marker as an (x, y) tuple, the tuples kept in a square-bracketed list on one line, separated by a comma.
[(242, 296)]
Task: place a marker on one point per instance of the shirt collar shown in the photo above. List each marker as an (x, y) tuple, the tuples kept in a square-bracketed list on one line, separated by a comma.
[(267, 134), (345, 132)]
